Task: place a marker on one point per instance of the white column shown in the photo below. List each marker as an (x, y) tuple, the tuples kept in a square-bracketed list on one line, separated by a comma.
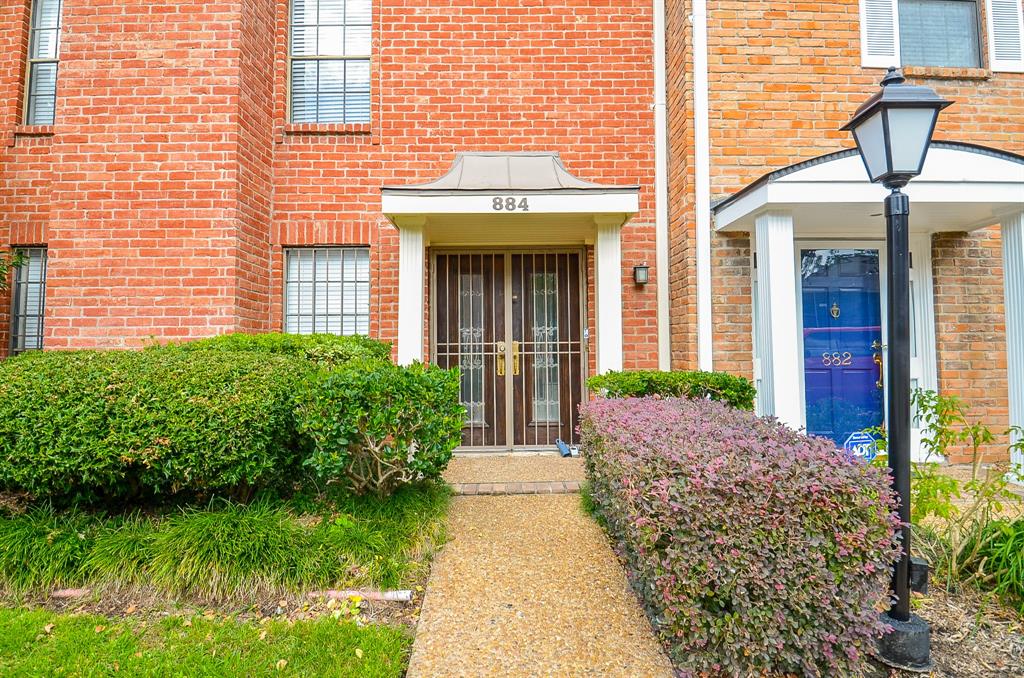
[(608, 280), (1013, 272), (778, 329), (411, 304)]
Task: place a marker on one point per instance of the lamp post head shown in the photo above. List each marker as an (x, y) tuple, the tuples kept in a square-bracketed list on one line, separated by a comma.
[(893, 129)]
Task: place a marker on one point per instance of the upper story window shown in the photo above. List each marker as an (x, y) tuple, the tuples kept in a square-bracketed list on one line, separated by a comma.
[(43, 57), (940, 33), (28, 300), (327, 290), (943, 33), (329, 50)]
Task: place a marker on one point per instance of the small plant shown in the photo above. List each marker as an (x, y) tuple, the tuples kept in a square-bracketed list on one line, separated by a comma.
[(1000, 559), (953, 519), (376, 426), (728, 388), (8, 261)]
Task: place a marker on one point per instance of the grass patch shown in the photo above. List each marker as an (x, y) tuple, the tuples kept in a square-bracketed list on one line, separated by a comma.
[(589, 505), (86, 645), (228, 551)]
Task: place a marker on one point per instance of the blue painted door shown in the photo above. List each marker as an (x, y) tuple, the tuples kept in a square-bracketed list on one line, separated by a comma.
[(842, 332)]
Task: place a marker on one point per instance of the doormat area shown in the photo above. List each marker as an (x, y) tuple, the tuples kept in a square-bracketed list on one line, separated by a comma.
[(532, 473)]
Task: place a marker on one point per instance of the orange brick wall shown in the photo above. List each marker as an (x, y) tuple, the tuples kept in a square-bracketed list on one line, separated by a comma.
[(172, 180), (785, 76)]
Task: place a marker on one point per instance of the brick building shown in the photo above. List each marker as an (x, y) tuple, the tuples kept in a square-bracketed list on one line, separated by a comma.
[(179, 169), (777, 237), (487, 183)]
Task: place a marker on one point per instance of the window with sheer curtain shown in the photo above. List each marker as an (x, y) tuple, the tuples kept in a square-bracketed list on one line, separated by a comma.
[(329, 51), (43, 59), (940, 33)]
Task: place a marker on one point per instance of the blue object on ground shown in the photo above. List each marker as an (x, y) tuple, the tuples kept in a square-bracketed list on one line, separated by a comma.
[(563, 448)]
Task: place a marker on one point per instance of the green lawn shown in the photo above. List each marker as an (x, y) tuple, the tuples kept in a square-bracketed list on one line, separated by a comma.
[(41, 643)]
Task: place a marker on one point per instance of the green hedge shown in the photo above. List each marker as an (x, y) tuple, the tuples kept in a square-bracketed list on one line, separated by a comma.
[(728, 388), (89, 425), (376, 426), (328, 350)]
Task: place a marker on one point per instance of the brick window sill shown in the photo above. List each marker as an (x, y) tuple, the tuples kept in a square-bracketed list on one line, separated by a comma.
[(326, 128), (34, 130), (940, 73)]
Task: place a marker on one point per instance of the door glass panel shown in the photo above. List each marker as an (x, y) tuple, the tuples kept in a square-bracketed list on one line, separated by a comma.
[(842, 332), (471, 333), (545, 337)]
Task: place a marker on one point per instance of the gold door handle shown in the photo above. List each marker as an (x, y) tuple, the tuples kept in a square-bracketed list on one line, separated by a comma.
[(515, 358), (499, 349), (877, 357)]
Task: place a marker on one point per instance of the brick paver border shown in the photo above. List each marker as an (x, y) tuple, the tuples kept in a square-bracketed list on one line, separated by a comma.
[(546, 487)]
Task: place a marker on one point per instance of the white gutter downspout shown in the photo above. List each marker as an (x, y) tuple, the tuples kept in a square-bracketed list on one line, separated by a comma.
[(702, 171), (661, 240)]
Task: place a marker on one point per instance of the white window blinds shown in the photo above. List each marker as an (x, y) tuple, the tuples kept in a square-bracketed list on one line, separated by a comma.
[(330, 61), (327, 290), (43, 59)]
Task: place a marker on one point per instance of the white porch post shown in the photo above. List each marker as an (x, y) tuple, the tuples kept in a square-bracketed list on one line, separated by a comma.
[(1013, 272), (608, 280), (411, 304), (777, 319)]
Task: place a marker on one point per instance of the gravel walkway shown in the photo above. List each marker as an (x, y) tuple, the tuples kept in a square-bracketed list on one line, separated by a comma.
[(528, 586)]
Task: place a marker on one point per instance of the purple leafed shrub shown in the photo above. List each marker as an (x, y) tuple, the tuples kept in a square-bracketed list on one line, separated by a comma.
[(754, 549)]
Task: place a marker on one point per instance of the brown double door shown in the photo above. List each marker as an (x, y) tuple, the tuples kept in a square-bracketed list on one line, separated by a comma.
[(512, 322)]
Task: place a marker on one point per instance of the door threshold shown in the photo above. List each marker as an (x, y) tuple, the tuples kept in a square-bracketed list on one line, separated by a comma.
[(509, 452)]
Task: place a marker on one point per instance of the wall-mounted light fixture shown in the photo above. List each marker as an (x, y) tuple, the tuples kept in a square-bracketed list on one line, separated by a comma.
[(641, 274)]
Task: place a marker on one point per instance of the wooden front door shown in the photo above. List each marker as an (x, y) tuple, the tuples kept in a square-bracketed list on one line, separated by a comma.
[(512, 322)]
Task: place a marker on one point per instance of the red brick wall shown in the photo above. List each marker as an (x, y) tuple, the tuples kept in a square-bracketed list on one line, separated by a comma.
[(785, 76), (478, 75), (172, 180)]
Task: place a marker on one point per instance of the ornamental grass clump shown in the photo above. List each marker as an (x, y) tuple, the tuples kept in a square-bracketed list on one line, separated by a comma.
[(754, 549)]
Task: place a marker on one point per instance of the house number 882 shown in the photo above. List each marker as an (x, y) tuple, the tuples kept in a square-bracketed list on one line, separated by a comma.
[(510, 205)]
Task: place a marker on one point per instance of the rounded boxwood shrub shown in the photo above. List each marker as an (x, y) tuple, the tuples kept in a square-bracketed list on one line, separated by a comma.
[(375, 426), (327, 350), (755, 550), (728, 388), (91, 425)]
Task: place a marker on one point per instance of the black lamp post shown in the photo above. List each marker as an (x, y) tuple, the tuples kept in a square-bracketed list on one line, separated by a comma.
[(893, 130)]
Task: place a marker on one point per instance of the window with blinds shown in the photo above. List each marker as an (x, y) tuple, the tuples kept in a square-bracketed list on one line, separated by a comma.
[(327, 290), (940, 33), (329, 52), (43, 58), (29, 301)]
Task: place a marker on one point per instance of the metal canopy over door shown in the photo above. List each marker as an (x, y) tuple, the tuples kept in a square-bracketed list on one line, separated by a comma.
[(513, 323)]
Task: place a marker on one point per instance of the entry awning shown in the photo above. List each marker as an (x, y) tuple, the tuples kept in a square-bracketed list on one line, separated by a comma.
[(509, 183), (962, 187)]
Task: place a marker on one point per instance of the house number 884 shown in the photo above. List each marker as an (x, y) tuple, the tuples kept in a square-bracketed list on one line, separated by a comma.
[(510, 205)]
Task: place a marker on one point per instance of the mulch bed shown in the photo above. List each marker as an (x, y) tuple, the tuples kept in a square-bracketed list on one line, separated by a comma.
[(973, 634)]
